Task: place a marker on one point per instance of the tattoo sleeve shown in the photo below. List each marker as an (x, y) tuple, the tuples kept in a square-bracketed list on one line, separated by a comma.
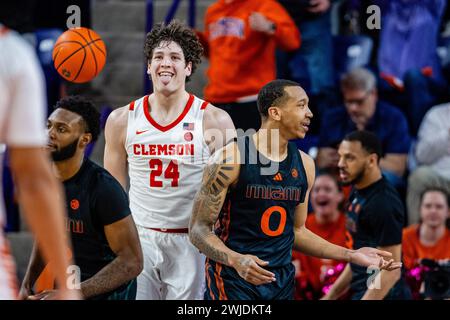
[(207, 205)]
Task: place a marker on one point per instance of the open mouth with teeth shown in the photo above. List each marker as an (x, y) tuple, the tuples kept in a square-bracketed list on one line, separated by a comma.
[(322, 202), (305, 125)]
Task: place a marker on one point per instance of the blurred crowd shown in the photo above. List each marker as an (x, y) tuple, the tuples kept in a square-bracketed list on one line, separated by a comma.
[(385, 70)]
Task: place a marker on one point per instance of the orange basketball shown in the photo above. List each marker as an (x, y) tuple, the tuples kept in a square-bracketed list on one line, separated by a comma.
[(79, 55)]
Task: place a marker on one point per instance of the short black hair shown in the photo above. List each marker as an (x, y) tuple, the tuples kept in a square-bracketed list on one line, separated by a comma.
[(86, 109), (272, 94), (177, 32), (369, 141)]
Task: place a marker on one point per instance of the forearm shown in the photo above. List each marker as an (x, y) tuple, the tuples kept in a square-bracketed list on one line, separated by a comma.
[(311, 244), (383, 282), (113, 275), (341, 284), (211, 246)]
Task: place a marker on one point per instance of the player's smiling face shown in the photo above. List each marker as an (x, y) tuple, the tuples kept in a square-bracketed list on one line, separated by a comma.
[(168, 68), (296, 115)]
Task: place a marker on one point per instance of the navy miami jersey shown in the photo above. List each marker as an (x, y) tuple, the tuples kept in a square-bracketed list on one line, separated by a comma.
[(95, 199), (258, 214)]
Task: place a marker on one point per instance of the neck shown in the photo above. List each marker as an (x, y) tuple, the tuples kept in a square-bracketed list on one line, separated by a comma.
[(370, 177), (168, 101), (431, 235), (270, 142), (66, 169)]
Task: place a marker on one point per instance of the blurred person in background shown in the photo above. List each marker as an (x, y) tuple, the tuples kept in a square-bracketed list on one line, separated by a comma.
[(240, 39), (432, 152), (39, 194), (328, 222), (429, 239), (363, 110)]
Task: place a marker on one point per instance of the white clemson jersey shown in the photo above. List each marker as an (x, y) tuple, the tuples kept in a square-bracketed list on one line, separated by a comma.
[(165, 164)]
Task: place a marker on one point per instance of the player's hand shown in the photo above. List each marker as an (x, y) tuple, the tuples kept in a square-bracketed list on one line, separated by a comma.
[(318, 6), (259, 22), (374, 257), (250, 269)]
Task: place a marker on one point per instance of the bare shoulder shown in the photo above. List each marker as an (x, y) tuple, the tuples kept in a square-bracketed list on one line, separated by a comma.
[(216, 118), (227, 161), (116, 126), (309, 165), (218, 128), (118, 117)]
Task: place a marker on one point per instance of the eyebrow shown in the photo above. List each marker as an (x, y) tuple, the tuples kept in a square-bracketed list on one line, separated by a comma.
[(156, 51), (58, 123)]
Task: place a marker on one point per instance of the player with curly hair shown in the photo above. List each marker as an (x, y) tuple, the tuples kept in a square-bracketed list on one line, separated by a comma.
[(165, 139)]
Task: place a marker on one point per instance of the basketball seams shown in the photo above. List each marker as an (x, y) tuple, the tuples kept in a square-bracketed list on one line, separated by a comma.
[(81, 65), (68, 57), (88, 67), (68, 41), (89, 42), (89, 34), (57, 45)]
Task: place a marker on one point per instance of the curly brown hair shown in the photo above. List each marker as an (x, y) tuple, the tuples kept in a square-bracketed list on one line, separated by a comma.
[(177, 32)]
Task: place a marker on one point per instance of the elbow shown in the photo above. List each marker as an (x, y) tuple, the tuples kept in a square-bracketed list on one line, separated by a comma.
[(193, 235), (134, 265)]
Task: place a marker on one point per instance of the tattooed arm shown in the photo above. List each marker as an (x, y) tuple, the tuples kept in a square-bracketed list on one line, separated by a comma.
[(221, 173)]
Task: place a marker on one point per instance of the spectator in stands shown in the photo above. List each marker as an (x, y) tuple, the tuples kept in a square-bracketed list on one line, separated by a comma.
[(240, 39), (433, 157), (328, 222), (410, 70), (312, 64), (431, 238), (363, 111)]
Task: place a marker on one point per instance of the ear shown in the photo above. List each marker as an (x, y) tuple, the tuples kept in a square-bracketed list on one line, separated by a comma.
[(373, 160), (148, 67), (274, 113), (188, 69), (86, 138)]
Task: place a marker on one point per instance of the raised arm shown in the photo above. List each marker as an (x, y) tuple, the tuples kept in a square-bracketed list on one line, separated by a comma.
[(221, 172), (115, 156)]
